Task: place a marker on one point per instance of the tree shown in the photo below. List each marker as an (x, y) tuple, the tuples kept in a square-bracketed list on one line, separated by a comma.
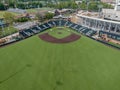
[(93, 6), (9, 19), (12, 4), (74, 5), (2, 6), (49, 15), (83, 5), (40, 16)]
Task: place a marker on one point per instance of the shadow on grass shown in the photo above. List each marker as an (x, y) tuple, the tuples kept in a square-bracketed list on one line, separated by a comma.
[(15, 73)]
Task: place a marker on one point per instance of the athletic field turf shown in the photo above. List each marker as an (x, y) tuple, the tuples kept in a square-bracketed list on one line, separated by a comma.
[(34, 64)]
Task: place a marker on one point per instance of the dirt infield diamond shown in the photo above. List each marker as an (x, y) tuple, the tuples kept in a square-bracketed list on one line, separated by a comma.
[(49, 38)]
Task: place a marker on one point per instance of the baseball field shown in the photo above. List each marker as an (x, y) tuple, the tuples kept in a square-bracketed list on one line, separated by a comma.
[(35, 64)]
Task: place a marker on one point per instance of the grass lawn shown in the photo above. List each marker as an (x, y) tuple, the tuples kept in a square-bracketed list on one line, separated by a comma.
[(33, 64), (8, 31), (32, 10), (38, 9), (59, 32), (2, 13), (46, 8)]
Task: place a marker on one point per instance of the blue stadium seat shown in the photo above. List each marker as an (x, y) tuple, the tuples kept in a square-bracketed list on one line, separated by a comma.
[(49, 24)]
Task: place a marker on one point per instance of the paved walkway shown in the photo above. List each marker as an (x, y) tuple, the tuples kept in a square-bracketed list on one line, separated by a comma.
[(25, 25)]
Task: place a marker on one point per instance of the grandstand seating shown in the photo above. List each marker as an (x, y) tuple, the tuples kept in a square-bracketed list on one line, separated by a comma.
[(48, 26), (23, 34), (63, 22), (35, 29), (110, 35), (52, 23)]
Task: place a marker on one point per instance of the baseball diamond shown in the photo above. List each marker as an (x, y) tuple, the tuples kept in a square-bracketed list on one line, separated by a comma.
[(59, 55), (47, 37)]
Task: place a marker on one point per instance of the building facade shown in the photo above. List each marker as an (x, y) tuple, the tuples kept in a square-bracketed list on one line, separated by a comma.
[(117, 6), (108, 1)]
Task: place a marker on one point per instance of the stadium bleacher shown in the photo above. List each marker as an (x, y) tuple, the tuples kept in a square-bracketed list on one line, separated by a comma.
[(52, 23)]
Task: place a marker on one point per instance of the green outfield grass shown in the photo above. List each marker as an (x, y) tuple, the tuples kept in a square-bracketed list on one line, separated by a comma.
[(33, 64)]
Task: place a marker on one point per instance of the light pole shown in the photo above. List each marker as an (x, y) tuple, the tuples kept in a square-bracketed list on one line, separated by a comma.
[(99, 10), (87, 2), (3, 31)]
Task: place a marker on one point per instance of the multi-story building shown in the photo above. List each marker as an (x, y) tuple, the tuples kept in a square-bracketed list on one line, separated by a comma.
[(117, 6), (108, 1)]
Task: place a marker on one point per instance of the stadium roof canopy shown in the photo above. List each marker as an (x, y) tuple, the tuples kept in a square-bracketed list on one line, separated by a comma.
[(16, 10), (109, 21)]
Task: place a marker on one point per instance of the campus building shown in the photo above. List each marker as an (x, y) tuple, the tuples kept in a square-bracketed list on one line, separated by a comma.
[(107, 26), (117, 6), (108, 1)]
